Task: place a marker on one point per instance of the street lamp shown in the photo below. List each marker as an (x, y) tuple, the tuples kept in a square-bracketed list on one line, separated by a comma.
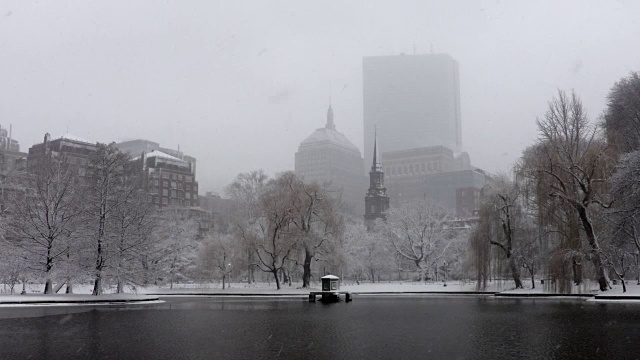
[(637, 254), (445, 273)]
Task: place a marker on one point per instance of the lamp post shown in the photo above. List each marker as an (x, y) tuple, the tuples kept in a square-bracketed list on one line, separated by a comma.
[(637, 254), (445, 272)]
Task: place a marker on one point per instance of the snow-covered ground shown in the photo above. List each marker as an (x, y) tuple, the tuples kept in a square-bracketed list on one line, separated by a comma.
[(296, 289), (34, 291)]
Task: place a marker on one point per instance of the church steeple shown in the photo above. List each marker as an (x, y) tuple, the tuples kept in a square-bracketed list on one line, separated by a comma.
[(376, 158), (376, 202), (330, 124)]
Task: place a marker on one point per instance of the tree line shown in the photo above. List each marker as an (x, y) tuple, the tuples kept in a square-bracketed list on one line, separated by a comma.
[(569, 212), (62, 226)]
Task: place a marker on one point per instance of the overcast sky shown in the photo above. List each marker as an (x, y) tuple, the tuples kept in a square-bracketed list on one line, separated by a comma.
[(239, 84)]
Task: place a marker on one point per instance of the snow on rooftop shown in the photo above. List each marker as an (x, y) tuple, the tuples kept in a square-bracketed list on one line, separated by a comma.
[(329, 136), (70, 137), (329, 277), (160, 154)]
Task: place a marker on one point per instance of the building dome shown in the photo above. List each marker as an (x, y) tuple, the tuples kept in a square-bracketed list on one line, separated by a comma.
[(329, 135)]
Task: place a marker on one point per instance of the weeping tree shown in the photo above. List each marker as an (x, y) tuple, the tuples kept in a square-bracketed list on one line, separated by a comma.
[(571, 165), (271, 234), (314, 219), (502, 207)]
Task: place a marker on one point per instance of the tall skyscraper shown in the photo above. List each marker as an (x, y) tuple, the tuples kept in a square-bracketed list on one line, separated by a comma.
[(414, 100), (328, 157)]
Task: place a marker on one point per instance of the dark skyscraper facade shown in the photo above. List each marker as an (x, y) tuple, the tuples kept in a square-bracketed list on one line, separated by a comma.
[(414, 100)]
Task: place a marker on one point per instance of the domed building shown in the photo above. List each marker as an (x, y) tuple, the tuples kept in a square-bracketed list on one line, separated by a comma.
[(327, 156)]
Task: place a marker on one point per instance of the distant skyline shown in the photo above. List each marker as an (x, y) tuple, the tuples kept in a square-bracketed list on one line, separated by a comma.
[(239, 85), (413, 100)]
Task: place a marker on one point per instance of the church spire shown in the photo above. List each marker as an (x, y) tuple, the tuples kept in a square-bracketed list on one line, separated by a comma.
[(330, 124), (376, 157), (376, 202)]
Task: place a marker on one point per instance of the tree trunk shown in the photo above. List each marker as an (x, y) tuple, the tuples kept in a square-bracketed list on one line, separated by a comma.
[(223, 280), (275, 275), (69, 288), (120, 287), (596, 255), (577, 272), (533, 280), (624, 286), (306, 273), (48, 286), (250, 277), (58, 287), (515, 273), (97, 285)]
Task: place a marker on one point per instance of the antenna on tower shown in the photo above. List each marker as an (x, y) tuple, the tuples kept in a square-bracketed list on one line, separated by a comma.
[(329, 92)]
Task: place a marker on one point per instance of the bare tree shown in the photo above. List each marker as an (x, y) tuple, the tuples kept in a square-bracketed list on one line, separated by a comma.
[(502, 208), (132, 224), (104, 195), (314, 217), (219, 252), (270, 235), (418, 232), (246, 190), (175, 250), (572, 162), (367, 254), (45, 212)]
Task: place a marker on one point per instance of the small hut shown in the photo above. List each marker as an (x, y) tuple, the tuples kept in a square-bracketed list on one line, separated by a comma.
[(330, 283)]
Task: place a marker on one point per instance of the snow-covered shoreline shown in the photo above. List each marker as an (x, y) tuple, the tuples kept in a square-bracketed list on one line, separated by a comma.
[(266, 290)]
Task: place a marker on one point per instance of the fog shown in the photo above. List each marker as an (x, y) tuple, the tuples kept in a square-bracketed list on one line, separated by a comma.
[(240, 84)]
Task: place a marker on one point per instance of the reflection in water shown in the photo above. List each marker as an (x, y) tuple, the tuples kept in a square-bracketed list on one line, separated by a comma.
[(369, 327)]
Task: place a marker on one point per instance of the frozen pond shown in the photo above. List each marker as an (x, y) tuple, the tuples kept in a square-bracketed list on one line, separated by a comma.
[(384, 327)]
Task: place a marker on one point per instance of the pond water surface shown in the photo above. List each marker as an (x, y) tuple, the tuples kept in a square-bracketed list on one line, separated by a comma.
[(381, 327)]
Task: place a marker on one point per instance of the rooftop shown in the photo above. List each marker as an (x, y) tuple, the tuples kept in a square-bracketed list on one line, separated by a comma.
[(329, 135)]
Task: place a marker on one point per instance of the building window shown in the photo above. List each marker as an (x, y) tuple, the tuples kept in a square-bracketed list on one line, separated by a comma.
[(165, 192), (188, 195), (188, 178), (174, 185), (180, 186), (165, 183), (165, 201), (173, 193)]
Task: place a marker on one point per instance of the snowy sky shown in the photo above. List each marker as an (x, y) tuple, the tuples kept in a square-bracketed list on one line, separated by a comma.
[(239, 84)]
